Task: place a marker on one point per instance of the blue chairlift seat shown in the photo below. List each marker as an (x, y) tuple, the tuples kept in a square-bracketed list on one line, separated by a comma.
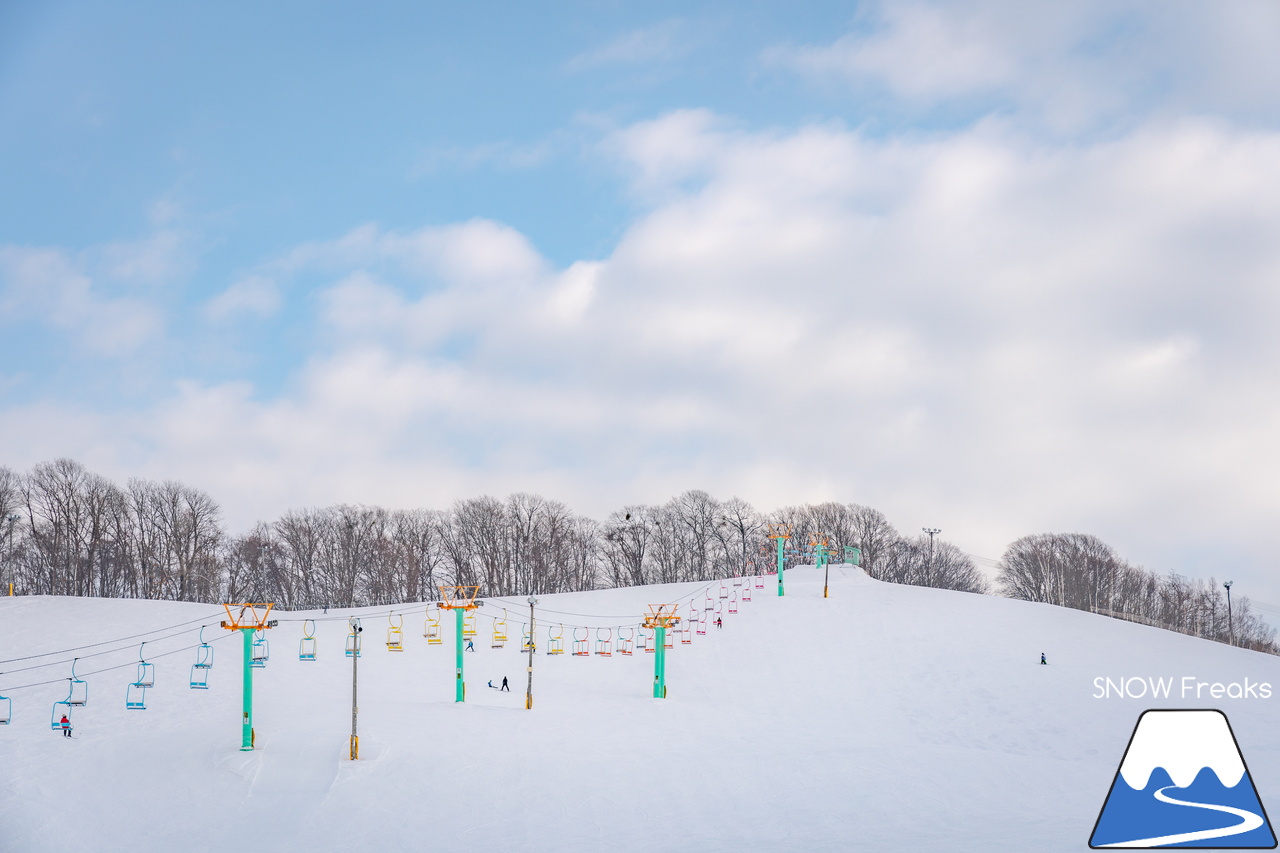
[(199, 677), (204, 656), (260, 652), (6, 710), (135, 697), (146, 675), (307, 647), (60, 710), (353, 644)]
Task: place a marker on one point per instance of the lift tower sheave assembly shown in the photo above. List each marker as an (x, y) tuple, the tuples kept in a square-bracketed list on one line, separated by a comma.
[(461, 600), (247, 619)]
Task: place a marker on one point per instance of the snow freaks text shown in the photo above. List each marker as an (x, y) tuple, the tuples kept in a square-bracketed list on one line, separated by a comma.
[(1186, 687)]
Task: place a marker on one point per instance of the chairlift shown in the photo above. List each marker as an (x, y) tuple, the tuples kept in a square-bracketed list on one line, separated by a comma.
[(395, 636), (307, 645), (77, 695), (737, 580), (724, 591), (135, 697), (733, 602), (646, 639), (204, 653), (719, 610), (432, 629), (669, 637), (146, 671), (708, 604), (686, 636), (500, 632), (604, 642), (6, 710), (199, 677), (555, 641), (626, 641), (526, 639), (759, 582), (581, 645), (746, 591), (702, 623), (353, 641), (468, 625), (260, 651)]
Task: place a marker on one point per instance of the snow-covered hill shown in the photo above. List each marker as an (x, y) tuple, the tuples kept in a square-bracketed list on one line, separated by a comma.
[(884, 718)]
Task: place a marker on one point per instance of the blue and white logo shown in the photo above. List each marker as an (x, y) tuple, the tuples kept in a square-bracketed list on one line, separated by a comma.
[(1183, 783)]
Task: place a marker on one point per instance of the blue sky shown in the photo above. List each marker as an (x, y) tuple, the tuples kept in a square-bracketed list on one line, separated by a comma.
[(989, 266)]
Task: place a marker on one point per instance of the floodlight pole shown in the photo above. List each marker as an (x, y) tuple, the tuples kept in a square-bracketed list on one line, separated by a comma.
[(1230, 622), (528, 696), (355, 707)]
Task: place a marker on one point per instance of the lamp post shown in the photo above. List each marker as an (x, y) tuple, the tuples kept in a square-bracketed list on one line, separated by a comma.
[(528, 696), (1230, 624), (932, 531), (12, 518)]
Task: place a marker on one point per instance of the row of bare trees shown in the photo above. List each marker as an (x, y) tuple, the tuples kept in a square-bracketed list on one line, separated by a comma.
[(68, 531), (1081, 571)]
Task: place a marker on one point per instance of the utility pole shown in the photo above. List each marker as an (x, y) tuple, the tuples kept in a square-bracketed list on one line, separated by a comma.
[(528, 695), (932, 531), (1230, 624), (12, 519), (355, 706)]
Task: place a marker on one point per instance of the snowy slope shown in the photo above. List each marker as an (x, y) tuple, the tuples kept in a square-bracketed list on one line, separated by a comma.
[(885, 718)]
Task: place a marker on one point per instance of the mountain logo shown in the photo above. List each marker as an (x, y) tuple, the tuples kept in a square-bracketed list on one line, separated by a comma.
[(1183, 783)]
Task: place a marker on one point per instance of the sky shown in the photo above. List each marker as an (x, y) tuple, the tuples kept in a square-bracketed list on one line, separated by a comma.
[(991, 267)]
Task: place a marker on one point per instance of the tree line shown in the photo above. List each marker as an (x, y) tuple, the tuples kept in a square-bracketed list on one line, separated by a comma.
[(1081, 571), (69, 531)]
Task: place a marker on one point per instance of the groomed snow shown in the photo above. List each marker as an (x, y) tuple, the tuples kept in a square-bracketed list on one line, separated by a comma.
[(885, 718)]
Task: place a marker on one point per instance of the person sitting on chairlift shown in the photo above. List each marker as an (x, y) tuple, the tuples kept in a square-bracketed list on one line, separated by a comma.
[(66, 726), (719, 624)]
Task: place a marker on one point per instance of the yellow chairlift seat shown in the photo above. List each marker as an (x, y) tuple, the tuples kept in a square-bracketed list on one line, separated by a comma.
[(500, 631), (395, 634), (432, 629)]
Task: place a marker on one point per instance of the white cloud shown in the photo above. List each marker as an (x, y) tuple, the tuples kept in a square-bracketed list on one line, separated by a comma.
[(251, 296), (47, 285), (660, 43)]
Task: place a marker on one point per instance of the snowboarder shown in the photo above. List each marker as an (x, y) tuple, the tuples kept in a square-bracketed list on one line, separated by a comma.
[(1043, 662), (471, 647), (504, 685), (491, 684), (66, 726)]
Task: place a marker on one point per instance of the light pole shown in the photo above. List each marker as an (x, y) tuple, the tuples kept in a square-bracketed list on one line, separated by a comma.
[(1230, 625), (12, 518), (528, 696), (932, 531)]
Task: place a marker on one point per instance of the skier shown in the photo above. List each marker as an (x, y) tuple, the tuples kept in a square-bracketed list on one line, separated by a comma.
[(66, 726), (471, 647), (504, 685), (1043, 662)]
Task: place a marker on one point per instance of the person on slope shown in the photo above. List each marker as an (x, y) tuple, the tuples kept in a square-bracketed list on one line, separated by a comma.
[(471, 647), (504, 685), (1043, 662), (66, 726), (719, 624), (491, 684)]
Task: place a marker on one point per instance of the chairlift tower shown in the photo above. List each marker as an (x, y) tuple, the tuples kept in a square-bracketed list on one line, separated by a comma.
[(780, 533), (660, 619), (249, 619), (461, 600)]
